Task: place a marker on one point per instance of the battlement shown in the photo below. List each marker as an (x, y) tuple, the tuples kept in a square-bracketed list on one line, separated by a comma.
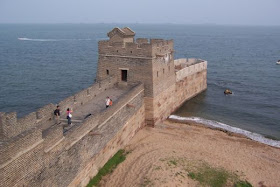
[(10, 126), (186, 67), (125, 49), (87, 94), (143, 47), (142, 40), (185, 62)]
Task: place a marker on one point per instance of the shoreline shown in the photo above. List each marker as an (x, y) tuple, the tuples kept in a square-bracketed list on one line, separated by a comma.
[(215, 125), (153, 150)]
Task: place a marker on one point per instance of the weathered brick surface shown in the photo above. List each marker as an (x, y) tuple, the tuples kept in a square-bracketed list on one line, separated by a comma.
[(51, 136), (190, 87), (116, 133), (88, 94), (27, 164), (15, 146), (173, 97), (59, 165), (8, 125)]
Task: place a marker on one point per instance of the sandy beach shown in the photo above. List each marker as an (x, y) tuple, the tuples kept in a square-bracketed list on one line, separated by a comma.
[(166, 154)]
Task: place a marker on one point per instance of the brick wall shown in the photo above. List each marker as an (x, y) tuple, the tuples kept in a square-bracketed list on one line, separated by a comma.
[(189, 70), (10, 126), (27, 163), (190, 81), (87, 94), (150, 63), (190, 86), (116, 133), (50, 159), (138, 69)]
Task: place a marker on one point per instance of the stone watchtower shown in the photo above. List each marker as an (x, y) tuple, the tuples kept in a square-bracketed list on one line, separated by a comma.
[(148, 61)]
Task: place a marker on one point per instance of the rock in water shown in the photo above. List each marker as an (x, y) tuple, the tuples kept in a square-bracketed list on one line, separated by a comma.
[(227, 91)]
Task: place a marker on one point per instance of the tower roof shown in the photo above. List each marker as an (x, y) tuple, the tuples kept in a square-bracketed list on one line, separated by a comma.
[(124, 32)]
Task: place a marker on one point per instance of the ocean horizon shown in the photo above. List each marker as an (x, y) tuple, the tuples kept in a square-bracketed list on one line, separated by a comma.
[(45, 63)]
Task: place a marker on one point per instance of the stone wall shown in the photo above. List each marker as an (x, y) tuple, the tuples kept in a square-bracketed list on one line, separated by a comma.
[(138, 69), (190, 86), (51, 158), (123, 130), (87, 94), (10, 126), (150, 62), (189, 70), (125, 49), (190, 81)]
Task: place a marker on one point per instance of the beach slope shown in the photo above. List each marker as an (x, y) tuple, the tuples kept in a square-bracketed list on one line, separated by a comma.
[(167, 154)]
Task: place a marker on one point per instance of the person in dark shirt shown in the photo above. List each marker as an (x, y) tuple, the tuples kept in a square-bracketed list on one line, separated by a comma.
[(57, 113)]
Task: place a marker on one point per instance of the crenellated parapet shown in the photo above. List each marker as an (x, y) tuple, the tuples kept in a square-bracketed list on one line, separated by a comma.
[(11, 126), (87, 94), (143, 47), (125, 49), (8, 125), (30, 143), (187, 67), (162, 47)]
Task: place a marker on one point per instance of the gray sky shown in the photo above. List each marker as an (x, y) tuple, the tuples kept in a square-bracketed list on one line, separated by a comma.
[(237, 12)]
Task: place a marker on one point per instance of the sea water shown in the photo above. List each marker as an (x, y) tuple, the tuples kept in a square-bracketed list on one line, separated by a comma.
[(44, 63)]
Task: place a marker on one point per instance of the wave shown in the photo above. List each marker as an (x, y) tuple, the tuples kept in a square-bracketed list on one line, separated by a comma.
[(51, 40), (219, 125)]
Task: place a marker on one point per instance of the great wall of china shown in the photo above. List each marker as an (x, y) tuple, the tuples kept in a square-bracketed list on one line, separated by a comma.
[(146, 85)]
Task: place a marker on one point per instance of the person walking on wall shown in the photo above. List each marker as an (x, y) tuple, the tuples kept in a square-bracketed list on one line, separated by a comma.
[(57, 113), (107, 101), (69, 115)]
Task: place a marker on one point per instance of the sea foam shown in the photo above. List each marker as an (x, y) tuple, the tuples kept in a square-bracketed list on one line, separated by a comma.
[(219, 125)]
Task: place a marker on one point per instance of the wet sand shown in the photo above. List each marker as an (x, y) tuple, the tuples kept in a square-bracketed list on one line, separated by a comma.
[(153, 150)]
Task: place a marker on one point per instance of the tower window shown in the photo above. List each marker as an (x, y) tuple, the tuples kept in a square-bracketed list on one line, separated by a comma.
[(163, 71), (130, 51), (107, 71), (157, 73)]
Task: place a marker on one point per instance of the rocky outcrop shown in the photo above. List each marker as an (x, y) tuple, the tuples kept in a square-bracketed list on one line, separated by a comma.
[(227, 91)]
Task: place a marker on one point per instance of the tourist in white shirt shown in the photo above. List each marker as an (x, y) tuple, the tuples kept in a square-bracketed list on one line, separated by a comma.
[(107, 102)]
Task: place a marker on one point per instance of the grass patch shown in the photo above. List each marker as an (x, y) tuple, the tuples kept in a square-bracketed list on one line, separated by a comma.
[(157, 168), (146, 182), (242, 184), (108, 167), (216, 177), (173, 162), (210, 176)]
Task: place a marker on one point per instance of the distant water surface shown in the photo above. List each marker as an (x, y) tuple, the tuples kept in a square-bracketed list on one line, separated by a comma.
[(40, 64)]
